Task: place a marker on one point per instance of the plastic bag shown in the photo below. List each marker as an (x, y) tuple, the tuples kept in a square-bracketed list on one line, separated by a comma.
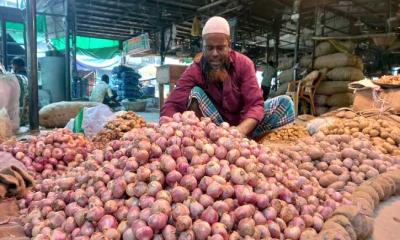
[(5, 125), (90, 121), (9, 98), (316, 124)]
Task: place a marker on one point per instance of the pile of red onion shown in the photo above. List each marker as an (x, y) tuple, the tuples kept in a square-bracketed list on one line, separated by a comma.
[(184, 179), (49, 154)]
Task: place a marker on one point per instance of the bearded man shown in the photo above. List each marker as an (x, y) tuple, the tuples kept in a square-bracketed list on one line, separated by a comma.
[(222, 85)]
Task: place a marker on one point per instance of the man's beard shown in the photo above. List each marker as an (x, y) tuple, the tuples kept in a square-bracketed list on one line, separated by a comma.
[(217, 75)]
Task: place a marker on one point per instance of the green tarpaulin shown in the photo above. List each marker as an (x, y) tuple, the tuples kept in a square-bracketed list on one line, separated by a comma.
[(94, 47)]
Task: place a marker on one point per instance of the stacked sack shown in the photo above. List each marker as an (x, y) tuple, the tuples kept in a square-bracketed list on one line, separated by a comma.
[(343, 68), (285, 66)]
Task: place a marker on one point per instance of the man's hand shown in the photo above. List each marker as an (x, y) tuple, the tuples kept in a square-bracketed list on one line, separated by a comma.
[(247, 126)]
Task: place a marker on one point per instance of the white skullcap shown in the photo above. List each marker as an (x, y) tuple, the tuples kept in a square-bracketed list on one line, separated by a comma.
[(216, 25)]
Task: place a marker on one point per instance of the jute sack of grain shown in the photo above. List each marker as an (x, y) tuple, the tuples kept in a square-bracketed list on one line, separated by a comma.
[(285, 63), (336, 60), (340, 100), (350, 74), (365, 100), (320, 100), (332, 87), (286, 76), (58, 114), (305, 61), (329, 47)]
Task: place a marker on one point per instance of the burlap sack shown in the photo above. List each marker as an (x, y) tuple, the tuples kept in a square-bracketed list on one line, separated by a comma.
[(336, 60), (286, 76), (305, 61), (350, 74), (329, 47), (282, 89), (364, 100), (320, 100), (332, 87), (285, 63), (58, 114), (340, 100)]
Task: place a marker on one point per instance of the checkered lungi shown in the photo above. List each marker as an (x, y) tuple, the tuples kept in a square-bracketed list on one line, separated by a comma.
[(279, 111)]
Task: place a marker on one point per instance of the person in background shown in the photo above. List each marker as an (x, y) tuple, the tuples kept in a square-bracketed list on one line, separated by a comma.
[(19, 69), (222, 85), (101, 91), (18, 66), (268, 74)]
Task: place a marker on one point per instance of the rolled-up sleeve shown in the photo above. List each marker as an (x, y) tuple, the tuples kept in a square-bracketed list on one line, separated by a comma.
[(179, 97), (251, 92)]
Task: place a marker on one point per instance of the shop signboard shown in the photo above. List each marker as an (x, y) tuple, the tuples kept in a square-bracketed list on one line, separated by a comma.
[(137, 45)]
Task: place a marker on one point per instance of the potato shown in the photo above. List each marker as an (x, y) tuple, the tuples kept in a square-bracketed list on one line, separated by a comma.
[(391, 183), (305, 173), (362, 223), (395, 176), (336, 169), (371, 192), (349, 153), (372, 173), (333, 231), (377, 187), (339, 185), (363, 204), (345, 176), (309, 166), (345, 223), (366, 196), (364, 168), (327, 179), (322, 166), (356, 178)]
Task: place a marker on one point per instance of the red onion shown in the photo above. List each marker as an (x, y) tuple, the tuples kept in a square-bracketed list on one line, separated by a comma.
[(95, 214), (157, 221), (274, 229), (201, 229), (173, 177), (292, 233), (112, 234), (183, 223), (169, 232), (209, 215), (180, 210), (195, 209), (107, 221), (144, 233), (87, 229), (246, 227), (179, 194)]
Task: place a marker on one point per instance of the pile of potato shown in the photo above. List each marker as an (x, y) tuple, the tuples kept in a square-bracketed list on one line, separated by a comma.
[(116, 128), (384, 135), (340, 162), (355, 221), (286, 134)]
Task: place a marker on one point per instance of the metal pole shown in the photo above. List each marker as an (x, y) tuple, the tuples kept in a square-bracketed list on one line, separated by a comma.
[(162, 46), (296, 17), (317, 31), (4, 41), (73, 35), (32, 65), (67, 54)]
